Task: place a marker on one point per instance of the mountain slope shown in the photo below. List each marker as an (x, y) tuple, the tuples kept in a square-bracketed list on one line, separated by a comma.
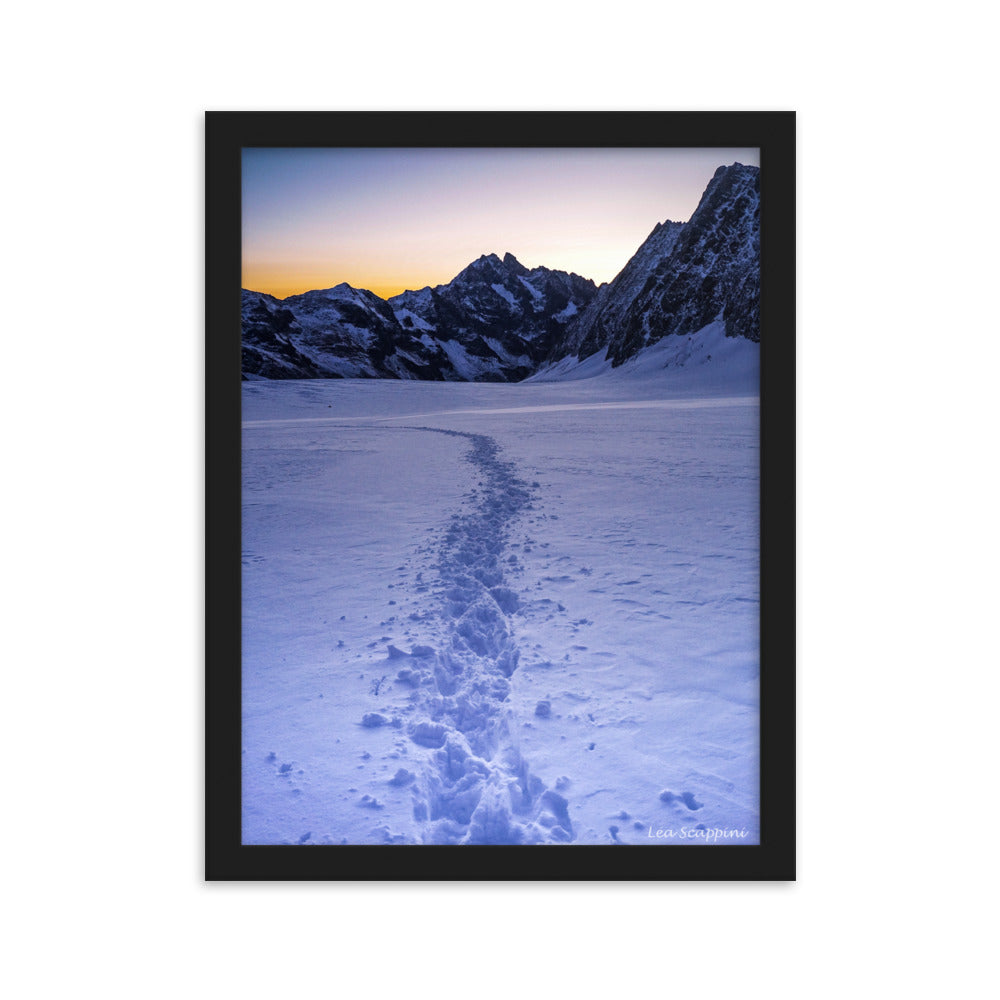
[(267, 348), (495, 321), (350, 332), (516, 313), (683, 277)]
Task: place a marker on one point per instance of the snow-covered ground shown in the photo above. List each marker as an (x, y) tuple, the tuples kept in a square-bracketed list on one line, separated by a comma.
[(505, 613)]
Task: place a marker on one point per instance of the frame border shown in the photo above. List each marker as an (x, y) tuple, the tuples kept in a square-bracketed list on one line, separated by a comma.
[(226, 858)]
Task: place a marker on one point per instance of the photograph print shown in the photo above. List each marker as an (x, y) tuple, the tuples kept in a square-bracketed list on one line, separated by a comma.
[(500, 497)]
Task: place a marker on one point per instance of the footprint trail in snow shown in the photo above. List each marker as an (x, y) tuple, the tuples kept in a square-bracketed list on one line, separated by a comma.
[(476, 788)]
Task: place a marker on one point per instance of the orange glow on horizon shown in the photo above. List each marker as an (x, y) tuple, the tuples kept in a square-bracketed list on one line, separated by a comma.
[(388, 220), (282, 289), (283, 281)]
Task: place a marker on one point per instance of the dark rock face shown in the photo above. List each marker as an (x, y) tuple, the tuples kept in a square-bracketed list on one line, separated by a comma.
[(496, 321), (350, 332), (685, 276), (505, 317), (268, 330), (606, 313)]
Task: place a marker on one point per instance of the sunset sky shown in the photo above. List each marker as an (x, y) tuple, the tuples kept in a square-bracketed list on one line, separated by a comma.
[(392, 219)]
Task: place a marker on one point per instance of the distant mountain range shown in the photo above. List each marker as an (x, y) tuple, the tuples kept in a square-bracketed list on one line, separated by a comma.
[(498, 321)]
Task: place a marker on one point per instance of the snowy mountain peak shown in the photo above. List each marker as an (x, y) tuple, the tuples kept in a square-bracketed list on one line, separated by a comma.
[(490, 263), (727, 184), (336, 291), (317, 297), (487, 264), (683, 277), (495, 321), (513, 264)]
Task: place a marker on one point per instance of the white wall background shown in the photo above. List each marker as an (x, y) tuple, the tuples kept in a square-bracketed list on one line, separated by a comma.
[(101, 406)]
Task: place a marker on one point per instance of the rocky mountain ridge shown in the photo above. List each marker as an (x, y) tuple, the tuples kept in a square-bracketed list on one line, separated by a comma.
[(683, 277), (495, 321), (499, 321)]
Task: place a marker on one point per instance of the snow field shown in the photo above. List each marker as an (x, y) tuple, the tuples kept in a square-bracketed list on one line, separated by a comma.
[(502, 614)]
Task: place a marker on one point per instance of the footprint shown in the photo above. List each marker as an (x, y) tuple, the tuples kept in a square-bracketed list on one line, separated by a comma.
[(686, 798), (689, 800)]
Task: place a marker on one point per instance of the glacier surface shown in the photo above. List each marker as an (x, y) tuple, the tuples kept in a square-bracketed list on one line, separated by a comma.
[(510, 614)]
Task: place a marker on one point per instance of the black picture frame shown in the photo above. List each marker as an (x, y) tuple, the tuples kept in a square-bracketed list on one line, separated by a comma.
[(226, 858)]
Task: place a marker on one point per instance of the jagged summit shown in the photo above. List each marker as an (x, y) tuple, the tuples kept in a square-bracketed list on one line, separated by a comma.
[(513, 264), (490, 263), (683, 277), (342, 290), (495, 321)]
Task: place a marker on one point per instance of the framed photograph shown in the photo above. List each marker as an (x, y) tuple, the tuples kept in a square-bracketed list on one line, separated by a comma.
[(500, 476)]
